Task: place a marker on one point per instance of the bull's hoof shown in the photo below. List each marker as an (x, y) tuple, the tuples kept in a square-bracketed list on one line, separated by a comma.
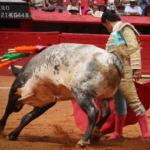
[(1, 127), (96, 134), (11, 137), (1, 131), (82, 144)]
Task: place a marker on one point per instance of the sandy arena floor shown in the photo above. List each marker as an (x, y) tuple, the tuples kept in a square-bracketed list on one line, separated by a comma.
[(56, 129)]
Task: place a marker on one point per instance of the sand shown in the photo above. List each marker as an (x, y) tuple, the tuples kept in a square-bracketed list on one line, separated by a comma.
[(56, 129)]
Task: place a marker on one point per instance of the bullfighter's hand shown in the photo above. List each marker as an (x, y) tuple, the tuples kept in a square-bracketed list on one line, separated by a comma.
[(136, 74)]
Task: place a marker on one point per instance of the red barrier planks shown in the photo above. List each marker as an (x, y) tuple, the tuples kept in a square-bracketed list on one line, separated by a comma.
[(100, 41), (14, 39)]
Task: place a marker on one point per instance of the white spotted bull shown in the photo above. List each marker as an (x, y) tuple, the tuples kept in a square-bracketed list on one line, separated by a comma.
[(63, 72)]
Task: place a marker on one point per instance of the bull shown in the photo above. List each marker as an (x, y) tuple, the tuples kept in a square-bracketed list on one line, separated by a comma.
[(63, 72)]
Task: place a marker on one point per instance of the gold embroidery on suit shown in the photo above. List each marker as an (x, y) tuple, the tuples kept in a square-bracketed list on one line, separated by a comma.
[(127, 86)]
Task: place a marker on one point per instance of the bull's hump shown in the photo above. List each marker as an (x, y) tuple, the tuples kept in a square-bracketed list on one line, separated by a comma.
[(80, 47)]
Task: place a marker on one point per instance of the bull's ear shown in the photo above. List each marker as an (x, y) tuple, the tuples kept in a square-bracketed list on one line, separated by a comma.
[(15, 70)]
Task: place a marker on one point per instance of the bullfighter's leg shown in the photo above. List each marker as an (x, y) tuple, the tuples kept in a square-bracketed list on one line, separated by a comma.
[(134, 102), (10, 108), (87, 104), (105, 113), (120, 114), (36, 112), (129, 94)]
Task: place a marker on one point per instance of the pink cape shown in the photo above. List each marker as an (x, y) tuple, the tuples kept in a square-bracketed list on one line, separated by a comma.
[(81, 119)]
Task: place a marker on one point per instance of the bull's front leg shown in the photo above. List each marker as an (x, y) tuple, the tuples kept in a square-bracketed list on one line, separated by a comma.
[(11, 107), (87, 104), (105, 113), (36, 112)]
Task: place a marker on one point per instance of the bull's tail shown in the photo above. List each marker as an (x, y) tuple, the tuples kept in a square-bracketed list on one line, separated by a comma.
[(120, 66)]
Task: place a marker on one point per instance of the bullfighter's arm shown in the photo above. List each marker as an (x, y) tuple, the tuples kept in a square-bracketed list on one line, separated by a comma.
[(131, 40)]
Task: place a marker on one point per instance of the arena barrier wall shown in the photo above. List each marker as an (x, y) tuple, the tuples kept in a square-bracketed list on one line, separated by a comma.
[(100, 41), (13, 39)]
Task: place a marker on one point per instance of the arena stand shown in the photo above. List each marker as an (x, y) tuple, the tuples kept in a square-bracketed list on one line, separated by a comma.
[(85, 2)]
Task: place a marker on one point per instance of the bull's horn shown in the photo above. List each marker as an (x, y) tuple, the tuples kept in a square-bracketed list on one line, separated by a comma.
[(26, 97), (16, 66), (15, 69)]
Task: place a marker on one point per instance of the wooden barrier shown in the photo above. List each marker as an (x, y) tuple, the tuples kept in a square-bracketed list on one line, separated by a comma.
[(145, 53), (13, 39), (100, 41)]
